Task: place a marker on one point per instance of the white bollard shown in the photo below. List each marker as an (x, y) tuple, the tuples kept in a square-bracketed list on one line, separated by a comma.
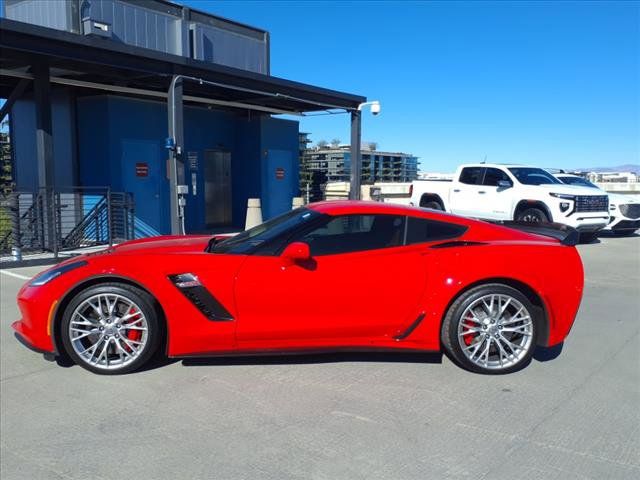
[(254, 213), (297, 203)]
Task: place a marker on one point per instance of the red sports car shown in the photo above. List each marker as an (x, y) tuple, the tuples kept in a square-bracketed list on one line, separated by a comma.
[(330, 276)]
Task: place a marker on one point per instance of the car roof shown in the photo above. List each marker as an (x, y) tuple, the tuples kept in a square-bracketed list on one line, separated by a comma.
[(350, 207)]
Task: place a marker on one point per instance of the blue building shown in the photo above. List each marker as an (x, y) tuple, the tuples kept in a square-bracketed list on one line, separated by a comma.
[(155, 99)]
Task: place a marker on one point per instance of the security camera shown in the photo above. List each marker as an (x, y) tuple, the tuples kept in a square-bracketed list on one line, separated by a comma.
[(375, 106)]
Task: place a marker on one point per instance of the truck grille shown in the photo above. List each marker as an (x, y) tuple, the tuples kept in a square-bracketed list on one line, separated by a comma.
[(630, 210), (592, 203)]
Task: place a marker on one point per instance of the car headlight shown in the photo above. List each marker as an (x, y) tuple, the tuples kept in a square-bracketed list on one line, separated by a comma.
[(49, 275), (564, 206), (563, 195)]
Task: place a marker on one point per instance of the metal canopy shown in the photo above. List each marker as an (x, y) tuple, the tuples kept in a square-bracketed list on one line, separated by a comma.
[(90, 60), (89, 64)]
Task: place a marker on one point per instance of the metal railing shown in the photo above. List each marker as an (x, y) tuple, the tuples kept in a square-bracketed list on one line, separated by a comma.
[(54, 220)]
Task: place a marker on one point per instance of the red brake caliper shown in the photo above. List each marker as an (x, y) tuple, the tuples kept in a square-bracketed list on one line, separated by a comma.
[(468, 337), (133, 334)]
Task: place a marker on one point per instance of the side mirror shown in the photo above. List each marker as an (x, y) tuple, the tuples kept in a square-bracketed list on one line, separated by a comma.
[(504, 184), (296, 252)]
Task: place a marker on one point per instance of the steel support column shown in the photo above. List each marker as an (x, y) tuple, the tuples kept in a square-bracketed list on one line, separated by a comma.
[(356, 157), (176, 165), (44, 147)]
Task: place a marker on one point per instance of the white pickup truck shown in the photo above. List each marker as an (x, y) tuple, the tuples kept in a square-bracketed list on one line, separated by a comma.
[(514, 192)]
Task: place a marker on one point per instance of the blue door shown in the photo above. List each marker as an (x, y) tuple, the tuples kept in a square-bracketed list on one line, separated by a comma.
[(277, 182), (142, 166)]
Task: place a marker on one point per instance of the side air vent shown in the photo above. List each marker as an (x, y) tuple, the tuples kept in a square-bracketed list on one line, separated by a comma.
[(200, 297)]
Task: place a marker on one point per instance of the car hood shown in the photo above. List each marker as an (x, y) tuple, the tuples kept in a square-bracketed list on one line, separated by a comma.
[(620, 199), (162, 244), (571, 189)]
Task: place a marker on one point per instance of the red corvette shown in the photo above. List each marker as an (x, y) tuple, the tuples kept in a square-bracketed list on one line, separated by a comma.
[(329, 276)]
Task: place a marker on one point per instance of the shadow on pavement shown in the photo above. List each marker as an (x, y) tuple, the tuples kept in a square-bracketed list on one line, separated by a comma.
[(545, 354)]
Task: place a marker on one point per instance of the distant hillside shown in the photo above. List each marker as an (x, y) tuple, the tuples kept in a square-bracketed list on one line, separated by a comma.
[(629, 167)]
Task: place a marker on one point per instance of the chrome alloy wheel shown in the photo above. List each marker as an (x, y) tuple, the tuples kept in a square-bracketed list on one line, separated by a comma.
[(495, 331), (108, 331)]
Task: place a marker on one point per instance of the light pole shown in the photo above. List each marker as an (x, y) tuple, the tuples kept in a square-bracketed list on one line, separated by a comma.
[(356, 139)]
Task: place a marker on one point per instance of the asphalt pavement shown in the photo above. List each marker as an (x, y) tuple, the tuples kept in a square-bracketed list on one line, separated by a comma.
[(571, 414)]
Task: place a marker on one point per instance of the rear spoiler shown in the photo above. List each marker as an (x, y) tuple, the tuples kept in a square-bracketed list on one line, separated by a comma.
[(565, 234)]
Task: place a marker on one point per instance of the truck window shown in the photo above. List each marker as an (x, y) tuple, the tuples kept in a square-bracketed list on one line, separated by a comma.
[(494, 175), (471, 175), (533, 176)]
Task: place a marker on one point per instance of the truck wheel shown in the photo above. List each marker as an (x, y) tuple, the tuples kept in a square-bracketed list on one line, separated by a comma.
[(532, 215), (433, 205)]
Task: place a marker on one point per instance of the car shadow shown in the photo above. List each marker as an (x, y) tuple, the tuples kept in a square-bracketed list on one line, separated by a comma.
[(609, 234), (546, 354), (315, 358)]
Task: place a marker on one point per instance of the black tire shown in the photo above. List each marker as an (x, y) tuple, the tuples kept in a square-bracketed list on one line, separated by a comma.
[(450, 333), (432, 204), (146, 305), (532, 215)]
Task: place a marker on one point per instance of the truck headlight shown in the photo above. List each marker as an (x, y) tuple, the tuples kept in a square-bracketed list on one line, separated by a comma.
[(563, 195)]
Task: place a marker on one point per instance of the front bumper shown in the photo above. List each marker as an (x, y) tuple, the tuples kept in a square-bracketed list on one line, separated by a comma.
[(621, 223), (587, 224), (35, 326)]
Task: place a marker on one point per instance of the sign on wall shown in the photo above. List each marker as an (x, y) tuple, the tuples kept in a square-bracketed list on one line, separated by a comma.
[(192, 158), (279, 173), (142, 169)]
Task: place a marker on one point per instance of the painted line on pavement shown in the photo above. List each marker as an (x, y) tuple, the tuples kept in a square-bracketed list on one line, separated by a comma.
[(15, 275)]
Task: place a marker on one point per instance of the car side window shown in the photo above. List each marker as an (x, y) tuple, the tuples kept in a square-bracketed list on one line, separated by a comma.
[(421, 230), (353, 233), (471, 175), (494, 175)]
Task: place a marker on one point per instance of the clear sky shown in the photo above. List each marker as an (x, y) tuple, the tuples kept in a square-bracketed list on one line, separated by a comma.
[(553, 84)]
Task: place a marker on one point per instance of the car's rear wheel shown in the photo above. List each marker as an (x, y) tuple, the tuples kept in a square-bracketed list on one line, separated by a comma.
[(532, 215), (490, 329), (110, 328)]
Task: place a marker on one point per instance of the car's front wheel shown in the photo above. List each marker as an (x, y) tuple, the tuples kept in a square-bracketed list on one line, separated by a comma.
[(490, 329), (110, 328)]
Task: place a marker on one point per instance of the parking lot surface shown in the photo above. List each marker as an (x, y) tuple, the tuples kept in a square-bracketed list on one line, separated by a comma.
[(347, 416)]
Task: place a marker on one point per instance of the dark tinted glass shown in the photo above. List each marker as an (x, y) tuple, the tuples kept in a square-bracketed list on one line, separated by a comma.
[(420, 230), (471, 175), (533, 176), (577, 181), (353, 233), (494, 175), (258, 236)]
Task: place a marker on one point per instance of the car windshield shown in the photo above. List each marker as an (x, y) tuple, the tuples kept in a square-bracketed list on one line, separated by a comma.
[(577, 181), (533, 176), (249, 239)]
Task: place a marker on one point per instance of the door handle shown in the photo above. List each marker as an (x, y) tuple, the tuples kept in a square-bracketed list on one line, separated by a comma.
[(456, 190), (482, 191)]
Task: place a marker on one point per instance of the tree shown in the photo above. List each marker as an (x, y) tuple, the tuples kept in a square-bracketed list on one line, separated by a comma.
[(322, 144), (335, 143), (373, 146)]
